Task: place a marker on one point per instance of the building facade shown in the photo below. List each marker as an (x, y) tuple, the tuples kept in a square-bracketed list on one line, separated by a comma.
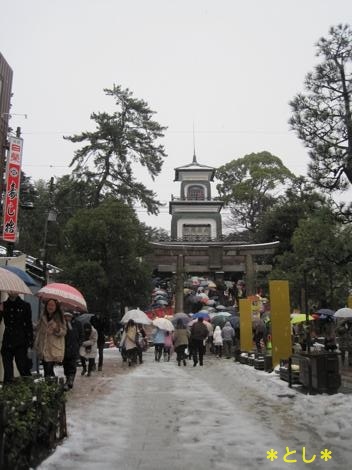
[(6, 76), (195, 215)]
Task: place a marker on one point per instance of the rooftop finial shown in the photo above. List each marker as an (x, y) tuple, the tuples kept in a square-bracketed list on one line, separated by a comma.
[(194, 147)]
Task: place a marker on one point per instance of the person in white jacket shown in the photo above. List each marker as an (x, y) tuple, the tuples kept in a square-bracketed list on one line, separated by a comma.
[(88, 350), (218, 341)]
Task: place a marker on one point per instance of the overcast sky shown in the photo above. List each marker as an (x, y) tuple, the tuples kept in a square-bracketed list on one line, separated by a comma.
[(228, 66)]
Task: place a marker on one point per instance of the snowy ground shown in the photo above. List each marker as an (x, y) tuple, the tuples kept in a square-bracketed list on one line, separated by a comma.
[(221, 416)]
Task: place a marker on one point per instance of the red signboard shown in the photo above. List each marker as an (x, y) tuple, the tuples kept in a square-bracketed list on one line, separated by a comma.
[(12, 194)]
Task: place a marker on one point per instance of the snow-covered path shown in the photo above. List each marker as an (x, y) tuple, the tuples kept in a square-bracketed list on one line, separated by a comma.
[(223, 415)]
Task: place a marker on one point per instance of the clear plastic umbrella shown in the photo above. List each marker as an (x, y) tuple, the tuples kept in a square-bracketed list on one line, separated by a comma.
[(137, 315)]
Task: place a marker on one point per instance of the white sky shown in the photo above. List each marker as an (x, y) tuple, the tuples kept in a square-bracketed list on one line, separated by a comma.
[(228, 66), (223, 416)]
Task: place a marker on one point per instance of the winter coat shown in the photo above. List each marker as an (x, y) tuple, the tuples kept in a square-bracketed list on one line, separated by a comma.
[(228, 332), (130, 338), (99, 325), (17, 317), (73, 339), (217, 336), (344, 333), (181, 337), (50, 338), (199, 331), (159, 336), (89, 348)]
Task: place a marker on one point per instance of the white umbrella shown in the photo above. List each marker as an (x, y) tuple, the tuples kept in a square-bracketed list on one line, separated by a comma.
[(344, 312), (10, 282), (163, 324), (137, 315)]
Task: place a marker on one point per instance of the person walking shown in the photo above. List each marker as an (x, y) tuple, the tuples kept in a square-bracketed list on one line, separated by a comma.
[(88, 349), (98, 323), (180, 338), (18, 336), (73, 341), (228, 334), (141, 342), (218, 341), (199, 333), (344, 332), (130, 342), (158, 339), (168, 345), (50, 336)]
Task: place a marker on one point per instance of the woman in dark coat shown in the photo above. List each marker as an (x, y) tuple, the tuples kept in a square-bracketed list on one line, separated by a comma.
[(73, 341)]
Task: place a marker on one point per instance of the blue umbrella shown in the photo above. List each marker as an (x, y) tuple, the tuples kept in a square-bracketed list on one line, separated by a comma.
[(26, 278), (204, 315)]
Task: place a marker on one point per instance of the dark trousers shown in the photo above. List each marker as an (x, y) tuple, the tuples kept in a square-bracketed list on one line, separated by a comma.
[(180, 352), (48, 369), (100, 355), (158, 351), (21, 359), (70, 366), (218, 350), (198, 351)]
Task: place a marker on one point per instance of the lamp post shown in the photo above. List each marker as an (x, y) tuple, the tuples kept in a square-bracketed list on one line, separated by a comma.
[(51, 217)]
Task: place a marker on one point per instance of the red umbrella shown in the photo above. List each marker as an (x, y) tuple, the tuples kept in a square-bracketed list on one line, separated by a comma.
[(65, 294)]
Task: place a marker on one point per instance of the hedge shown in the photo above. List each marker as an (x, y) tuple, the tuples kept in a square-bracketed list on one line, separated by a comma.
[(32, 421)]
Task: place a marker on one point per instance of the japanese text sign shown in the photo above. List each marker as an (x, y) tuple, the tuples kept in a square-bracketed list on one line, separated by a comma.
[(12, 183)]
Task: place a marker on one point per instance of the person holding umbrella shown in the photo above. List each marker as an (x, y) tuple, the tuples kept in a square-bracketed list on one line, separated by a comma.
[(199, 333), (180, 338), (50, 336), (18, 336)]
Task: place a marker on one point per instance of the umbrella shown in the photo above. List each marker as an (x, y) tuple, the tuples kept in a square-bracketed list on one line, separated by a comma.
[(10, 282), (343, 313), (235, 321), (222, 314), (211, 285), (326, 312), (163, 324), (300, 318), (219, 320), (180, 315), (204, 315), (220, 307), (65, 294), (84, 317), (26, 278), (137, 315)]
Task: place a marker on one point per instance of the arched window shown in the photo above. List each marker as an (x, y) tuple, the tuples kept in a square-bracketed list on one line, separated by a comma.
[(195, 193)]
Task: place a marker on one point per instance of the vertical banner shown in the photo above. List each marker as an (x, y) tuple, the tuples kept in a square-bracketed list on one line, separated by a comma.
[(12, 194), (246, 324), (280, 321)]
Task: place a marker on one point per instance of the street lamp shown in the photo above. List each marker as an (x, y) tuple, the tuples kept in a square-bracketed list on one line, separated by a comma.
[(51, 217)]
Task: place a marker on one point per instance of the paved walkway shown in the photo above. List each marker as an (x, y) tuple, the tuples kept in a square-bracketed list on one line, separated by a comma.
[(158, 416)]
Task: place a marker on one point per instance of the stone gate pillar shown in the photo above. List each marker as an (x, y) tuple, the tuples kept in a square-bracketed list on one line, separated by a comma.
[(250, 274), (179, 284)]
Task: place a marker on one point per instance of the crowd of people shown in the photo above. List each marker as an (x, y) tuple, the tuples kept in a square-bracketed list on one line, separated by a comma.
[(59, 337), (188, 342)]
